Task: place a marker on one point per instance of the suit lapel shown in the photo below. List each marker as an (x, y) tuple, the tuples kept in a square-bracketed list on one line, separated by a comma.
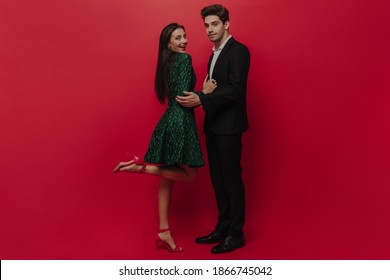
[(208, 67), (224, 51)]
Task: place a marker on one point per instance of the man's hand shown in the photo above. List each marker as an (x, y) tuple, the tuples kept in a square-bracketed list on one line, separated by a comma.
[(190, 100)]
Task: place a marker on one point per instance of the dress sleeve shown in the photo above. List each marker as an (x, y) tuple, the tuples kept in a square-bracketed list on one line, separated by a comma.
[(183, 75)]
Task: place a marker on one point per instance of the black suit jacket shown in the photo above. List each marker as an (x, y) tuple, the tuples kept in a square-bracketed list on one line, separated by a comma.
[(226, 107)]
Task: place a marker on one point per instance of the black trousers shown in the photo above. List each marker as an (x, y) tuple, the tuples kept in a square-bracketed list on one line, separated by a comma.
[(224, 154)]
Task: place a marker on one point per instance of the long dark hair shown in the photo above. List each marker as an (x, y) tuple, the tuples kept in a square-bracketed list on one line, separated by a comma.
[(164, 58)]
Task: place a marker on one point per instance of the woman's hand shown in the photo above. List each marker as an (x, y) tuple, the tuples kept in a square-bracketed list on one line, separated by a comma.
[(209, 85)]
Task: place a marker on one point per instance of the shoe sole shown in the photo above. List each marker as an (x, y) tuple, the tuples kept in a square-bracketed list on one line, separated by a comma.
[(238, 246), (208, 242)]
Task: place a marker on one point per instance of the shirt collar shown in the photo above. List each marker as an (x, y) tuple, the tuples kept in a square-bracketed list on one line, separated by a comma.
[(222, 45)]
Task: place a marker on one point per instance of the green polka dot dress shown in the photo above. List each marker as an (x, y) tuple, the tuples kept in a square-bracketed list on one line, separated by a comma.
[(175, 139)]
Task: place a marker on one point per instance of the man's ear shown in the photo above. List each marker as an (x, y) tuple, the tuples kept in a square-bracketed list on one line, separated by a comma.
[(226, 25)]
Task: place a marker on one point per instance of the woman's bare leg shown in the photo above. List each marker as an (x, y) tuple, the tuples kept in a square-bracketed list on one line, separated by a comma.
[(168, 174), (164, 200), (173, 173)]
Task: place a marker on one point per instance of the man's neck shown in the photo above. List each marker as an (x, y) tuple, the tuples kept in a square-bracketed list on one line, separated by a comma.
[(219, 43)]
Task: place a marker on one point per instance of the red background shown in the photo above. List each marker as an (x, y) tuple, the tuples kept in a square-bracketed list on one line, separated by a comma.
[(76, 94)]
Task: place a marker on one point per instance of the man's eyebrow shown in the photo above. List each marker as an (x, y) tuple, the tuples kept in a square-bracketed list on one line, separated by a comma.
[(216, 21)]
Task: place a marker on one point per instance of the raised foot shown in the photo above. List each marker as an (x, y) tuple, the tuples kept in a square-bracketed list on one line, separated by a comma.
[(135, 164)]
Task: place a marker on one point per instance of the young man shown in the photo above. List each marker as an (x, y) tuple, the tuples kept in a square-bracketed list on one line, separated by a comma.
[(225, 121)]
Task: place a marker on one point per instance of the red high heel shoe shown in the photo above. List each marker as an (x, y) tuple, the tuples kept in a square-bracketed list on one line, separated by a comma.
[(134, 159), (165, 244)]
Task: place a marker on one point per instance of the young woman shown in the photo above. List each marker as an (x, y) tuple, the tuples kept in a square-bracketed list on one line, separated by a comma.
[(174, 151)]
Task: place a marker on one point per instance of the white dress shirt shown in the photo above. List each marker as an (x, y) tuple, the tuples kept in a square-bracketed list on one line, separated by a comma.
[(217, 52)]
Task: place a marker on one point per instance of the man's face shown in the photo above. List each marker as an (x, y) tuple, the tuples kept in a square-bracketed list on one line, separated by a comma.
[(215, 29)]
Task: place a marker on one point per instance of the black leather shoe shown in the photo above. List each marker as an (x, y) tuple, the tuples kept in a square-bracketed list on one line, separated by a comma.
[(214, 237), (229, 244)]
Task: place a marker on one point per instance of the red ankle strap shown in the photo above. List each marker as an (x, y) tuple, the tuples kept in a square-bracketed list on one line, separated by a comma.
[(163, 230), (143, 168)]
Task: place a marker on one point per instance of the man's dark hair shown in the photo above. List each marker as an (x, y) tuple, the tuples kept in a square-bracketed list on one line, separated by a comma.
[(215, 10)]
